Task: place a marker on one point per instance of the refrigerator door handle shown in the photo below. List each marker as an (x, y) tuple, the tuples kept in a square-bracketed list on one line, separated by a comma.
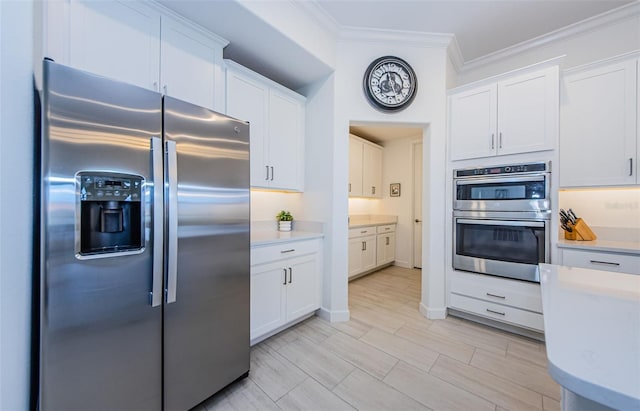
[(158, 219), (172, 222)]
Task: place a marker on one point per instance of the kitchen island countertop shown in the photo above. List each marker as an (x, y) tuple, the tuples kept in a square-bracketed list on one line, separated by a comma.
[(592, 331), (264, 237)]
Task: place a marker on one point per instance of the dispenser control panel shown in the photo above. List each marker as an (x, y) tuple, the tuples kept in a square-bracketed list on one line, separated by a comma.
[(110, 187)]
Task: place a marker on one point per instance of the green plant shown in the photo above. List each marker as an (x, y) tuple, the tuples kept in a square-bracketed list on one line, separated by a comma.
[(284, 216)]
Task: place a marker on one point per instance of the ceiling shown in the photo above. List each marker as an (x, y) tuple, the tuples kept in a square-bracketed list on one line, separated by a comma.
[(481, 27), (381, 134)]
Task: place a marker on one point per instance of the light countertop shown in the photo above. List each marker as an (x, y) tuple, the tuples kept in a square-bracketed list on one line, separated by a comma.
[(264, 237), (592, 331), (356, 221), (628, 247)]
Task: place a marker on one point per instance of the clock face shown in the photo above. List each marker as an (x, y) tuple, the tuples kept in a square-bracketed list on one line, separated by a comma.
[(390, 84)]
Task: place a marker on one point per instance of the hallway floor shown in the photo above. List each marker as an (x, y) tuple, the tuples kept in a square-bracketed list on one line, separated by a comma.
[(389, 357)]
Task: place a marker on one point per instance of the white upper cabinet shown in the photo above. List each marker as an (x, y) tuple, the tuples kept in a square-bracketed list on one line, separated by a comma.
[(599, 132), (518, 114), (276, 117), (139, 43), (365, 168)]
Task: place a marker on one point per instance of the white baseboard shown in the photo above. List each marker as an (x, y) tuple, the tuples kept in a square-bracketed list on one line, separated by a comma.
[(433, 313), (403, 264), (333, 316)]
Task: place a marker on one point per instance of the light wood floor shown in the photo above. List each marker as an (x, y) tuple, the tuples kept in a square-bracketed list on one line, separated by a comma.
[(389, 357)]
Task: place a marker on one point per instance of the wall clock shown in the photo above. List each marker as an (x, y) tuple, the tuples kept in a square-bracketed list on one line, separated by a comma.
[(390, 84)]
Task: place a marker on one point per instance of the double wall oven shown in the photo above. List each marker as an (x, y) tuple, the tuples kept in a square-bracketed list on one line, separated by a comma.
[(501, 220)]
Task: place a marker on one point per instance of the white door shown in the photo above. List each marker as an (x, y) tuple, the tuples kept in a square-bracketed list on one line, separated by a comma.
[(356, 247), (267, 298), (355, 167), (302, 288), (285, 135), (371, 171), (417, 205), (472, 123)]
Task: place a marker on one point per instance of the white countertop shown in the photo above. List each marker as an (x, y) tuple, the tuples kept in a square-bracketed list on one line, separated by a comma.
[(628, 247), (263, 237), (356, 221), (592, 332)]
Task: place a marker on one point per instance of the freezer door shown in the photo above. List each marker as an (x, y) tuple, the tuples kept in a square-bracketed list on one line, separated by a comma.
[(206, 315), (100, 336)]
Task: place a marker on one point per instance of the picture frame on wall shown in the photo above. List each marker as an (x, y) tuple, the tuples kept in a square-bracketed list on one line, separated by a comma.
[(394, 189)]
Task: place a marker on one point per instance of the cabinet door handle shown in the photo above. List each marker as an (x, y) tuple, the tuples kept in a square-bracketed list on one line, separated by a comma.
[(604, 263), (271, 173), (495, 312), (349, 187), (493, 141), (267, 177), (287, 251), (285, 276), (373, 189), (496, 296), (290, 275), (630, 166), (364, 246), (500, 140), (387, 241)]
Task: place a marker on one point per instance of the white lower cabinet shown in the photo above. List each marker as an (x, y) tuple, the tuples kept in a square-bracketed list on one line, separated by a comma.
[(514, 302), (285, 285), (601, 260), (371, 247)]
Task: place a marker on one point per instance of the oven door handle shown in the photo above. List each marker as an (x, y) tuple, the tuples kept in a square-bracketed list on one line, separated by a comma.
[(517, 223), (499, 180)]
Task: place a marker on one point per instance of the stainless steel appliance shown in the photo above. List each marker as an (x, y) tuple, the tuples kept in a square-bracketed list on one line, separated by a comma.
[(144, 243), (501, 220)]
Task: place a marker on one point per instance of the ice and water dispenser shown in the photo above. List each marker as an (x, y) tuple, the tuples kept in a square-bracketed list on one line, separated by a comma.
[(110, 214)]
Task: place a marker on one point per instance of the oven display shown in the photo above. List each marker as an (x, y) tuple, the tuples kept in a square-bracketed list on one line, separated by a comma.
[(501, 191)]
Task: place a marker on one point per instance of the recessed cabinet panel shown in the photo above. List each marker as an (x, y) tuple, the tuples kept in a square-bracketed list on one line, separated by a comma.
[(473, 116), (285, 140), (355, 167), (599, 137), (267, 298), (365, 168), (116, 39), (302, 287)]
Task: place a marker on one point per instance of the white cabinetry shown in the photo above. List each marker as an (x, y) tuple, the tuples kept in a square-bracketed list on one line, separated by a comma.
[(276, 116), (513, 302), (365, 168), (518, 114), (370, 248), (386, 244), (599, 131), (285, 285), (601, 260), (138, 43)]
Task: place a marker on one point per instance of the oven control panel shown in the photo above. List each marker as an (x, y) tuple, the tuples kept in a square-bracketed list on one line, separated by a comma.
[(516, 168)]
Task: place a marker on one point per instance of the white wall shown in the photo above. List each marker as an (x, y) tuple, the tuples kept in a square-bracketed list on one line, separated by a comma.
[(397, 164), (365, 206), (16, 207), (618, 37), (429, 107), (606, 207), (266, 204)]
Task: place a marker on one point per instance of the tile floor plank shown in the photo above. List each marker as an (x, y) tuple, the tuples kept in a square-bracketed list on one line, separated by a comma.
[(405, 350), (311, 395), (448, 346), (364, 356), (244, 395), (274, 374)]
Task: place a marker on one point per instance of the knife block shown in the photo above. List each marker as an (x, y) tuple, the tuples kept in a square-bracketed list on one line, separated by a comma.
[(581, 232)]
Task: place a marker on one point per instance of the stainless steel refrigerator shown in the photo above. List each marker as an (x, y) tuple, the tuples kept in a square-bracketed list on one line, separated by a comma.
[(144, 247)]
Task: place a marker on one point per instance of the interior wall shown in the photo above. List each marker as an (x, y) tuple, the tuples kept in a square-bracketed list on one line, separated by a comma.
[(16, 201), (362, 206), (615, 38), (605, 207), (429, 107), (397, 165), (266, 204)]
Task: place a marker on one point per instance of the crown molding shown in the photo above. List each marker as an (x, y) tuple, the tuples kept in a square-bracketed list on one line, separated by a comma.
[(455, 54), (368, 35), (313, 9), (627, 11)]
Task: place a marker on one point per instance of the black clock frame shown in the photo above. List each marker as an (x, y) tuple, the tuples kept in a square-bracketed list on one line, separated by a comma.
[(386, 107)]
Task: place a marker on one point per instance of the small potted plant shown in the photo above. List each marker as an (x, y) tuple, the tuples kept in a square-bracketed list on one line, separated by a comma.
[(284, 220)]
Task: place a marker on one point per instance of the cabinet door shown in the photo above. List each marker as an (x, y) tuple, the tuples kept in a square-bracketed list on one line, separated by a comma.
[(371, 171), (116, 39), (369, 253), (247, 100), (356, 247), (355, 167), (189, 64), (302, 287), (528, 112), (386, 249), (598, 128), (286, 135), (472, 123), (267, 298)]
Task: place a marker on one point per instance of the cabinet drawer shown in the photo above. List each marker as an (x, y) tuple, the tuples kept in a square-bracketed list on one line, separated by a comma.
[(386, 228), (622, 263), (361, 231), (498, 312), (291, 249), (516, 294)]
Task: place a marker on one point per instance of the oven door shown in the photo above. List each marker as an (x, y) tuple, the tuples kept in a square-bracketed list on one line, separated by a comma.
[(505, 248), (514, 193)]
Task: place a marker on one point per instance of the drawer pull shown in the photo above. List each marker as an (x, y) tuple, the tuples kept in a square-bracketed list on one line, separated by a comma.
[(496, 296), (495, 312), (604, 262), (287, 251), (364, 231)]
